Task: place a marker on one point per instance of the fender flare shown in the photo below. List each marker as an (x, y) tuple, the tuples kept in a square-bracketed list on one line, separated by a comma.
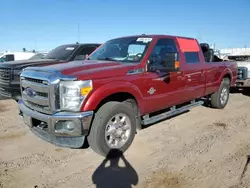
[(224, 73), (108, 89)]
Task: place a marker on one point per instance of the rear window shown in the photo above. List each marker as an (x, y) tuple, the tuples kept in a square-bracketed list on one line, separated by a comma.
[(192, 57)]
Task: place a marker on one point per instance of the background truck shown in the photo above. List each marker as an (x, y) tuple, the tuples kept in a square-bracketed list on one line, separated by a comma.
[(14, 56), (125, 84), (10, 71), (243, 78)]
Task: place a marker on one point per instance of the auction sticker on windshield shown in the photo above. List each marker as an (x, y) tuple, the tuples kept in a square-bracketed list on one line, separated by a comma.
[(144, 40), (69, 48)]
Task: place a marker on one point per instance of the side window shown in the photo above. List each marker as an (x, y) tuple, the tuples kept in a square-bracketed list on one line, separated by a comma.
[(81, 55), (86, 50), (164, 54), (192, 57), (10, 57)]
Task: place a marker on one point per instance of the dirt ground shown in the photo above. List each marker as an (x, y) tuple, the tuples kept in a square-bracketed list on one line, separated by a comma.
[(202, 148)]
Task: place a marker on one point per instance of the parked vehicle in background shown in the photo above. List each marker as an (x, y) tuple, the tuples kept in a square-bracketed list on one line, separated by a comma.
[(10, 71), (243, 78), (14, 56), (126, 83), (39, 55)]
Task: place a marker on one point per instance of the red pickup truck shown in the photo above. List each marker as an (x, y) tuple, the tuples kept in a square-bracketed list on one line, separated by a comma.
[(126, 83)]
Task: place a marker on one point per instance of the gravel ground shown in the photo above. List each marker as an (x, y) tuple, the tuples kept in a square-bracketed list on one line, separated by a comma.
[(202, 148)]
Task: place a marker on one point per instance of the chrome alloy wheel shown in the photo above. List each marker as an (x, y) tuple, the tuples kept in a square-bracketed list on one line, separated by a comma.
[(118, 130), (224, 96)]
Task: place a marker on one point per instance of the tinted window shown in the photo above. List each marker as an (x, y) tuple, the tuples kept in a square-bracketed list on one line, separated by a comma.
[(9, 57), (126, 50), (161, 53), (61, 52), (192, 57), (86, 50)]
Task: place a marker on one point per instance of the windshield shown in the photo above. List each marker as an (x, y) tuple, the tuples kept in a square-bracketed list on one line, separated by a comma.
[(61, 52), (239, 58), (128, 49), (3, 59)]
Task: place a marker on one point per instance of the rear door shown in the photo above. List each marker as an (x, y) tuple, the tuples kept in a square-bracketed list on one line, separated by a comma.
[(163, 90), (194, 68)]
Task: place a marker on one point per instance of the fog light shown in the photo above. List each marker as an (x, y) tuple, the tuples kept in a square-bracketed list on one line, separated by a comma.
[(248, 82), (72, 128), (69, 125)]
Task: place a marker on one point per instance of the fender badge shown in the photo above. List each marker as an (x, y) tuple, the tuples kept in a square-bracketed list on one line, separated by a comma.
[(151, 91)]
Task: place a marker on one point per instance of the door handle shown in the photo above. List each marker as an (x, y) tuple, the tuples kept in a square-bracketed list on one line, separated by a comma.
[(179, 72)]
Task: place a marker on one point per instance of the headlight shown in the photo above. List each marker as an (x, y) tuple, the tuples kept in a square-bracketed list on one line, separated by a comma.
[(73, 93), (16, 75)]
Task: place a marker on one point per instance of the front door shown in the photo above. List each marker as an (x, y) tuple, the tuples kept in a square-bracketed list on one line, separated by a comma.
[(162, 89)]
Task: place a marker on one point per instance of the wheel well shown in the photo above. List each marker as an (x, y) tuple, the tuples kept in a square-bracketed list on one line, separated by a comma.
[(119, 97), (227, 76)]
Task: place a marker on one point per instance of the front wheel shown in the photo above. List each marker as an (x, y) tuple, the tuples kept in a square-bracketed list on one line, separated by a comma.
[(220, 98), (113, 129)]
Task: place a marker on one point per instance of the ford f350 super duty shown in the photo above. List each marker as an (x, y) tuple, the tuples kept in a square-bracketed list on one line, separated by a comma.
[(125, 84)]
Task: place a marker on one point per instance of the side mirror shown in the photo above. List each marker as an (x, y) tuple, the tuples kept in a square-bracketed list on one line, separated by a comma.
[(80, 57), (171, 62)]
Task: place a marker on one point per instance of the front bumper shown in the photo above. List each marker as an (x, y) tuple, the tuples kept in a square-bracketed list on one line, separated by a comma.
[(242, 83), (47, 130)]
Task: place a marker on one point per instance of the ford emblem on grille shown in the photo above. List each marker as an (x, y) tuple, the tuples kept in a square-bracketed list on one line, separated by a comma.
[(30, 92)]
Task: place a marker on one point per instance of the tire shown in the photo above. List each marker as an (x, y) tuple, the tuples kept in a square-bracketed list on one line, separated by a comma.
[(97, 138), (132, 103), (220, 98)]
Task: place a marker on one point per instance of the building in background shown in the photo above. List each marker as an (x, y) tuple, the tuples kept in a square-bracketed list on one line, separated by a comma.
[(235, 51)]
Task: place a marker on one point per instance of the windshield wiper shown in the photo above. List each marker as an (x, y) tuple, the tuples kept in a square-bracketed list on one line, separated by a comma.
[(106, 59), (53, 58)]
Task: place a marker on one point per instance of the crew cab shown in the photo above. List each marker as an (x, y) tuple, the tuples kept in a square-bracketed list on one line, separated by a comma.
[(10, 71), (127, 83)]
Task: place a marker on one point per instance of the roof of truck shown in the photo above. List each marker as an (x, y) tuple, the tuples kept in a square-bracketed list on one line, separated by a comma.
[(157, 35), (80, 44)]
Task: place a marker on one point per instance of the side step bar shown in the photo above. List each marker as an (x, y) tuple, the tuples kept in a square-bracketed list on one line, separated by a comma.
[(173, 111)]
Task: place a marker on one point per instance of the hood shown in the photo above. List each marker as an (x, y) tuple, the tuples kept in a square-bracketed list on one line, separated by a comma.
[(243, 64), (90, 69), (25, 63)]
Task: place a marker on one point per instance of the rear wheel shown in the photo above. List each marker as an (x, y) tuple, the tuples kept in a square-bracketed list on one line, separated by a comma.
[(113, 129), (220, 98)]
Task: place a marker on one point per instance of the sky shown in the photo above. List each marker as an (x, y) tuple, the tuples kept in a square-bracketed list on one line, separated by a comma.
[(46, 24)]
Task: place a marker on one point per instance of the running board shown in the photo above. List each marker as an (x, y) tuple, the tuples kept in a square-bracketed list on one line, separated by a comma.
[(173, 111)]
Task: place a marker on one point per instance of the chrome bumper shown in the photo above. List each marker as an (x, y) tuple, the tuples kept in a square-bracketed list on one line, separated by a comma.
[(242, 83), (48, 131)]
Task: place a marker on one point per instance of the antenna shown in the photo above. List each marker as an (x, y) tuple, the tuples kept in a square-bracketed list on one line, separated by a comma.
[(78, 32)]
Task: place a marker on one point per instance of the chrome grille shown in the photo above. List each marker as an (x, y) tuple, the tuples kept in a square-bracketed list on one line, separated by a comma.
[(35, 94), (242, 73), (40, 89), (5, 75)]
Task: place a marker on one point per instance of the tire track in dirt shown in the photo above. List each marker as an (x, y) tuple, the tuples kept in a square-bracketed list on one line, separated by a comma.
[(180, 151)]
